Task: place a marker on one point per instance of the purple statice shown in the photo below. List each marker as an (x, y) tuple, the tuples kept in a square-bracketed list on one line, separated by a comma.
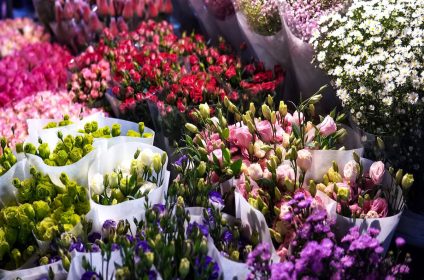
[(90, 275), (215, 199), (258, 262), (206, 266), (202, 228)]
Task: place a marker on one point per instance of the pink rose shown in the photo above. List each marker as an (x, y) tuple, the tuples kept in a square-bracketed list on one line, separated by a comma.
[(327, 127), (351, 171), (380, 206), (285, 172), (304, 159), (265, 131), (377, 170), (242, 137)]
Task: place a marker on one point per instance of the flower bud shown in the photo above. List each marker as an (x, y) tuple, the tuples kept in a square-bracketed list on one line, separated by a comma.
[(116, 130), (266, 111), (191, 127), (235, 255), (252, 109), (399, 177), (44, 260), (273, 118), (407, 181), (3, 142), (316, 97), (282, 109), (204, 245), (269, 100), (380, 143), (150, 258), (312, 188), (201, 169), (343, 193), (204, 110), (184, 268), (19, 147), (141, 127), (157, 163)]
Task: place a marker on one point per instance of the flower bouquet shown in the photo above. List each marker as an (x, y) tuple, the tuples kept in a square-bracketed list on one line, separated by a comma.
[(164, 244), (300, 21), (44, 105), (17, 33), (71, 154), (43, 210), (367, 196), (36, 67), (126, 176), (386, 101), (79, 23), (10, 165), (260, 22)]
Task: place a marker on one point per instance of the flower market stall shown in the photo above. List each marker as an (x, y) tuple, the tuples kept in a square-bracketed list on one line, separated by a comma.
[(212, 139)]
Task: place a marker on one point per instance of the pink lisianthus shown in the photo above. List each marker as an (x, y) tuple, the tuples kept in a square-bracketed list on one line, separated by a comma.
[(377, 171), (380, 206), (265, 131), (304, 159), (241, 136), (327, 126), (285, 172)]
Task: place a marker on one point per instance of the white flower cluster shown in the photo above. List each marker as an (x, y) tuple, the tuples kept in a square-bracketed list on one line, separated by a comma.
[(375, 56)]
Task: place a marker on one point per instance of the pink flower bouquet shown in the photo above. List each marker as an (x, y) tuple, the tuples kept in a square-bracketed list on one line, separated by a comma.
[(34, 68)]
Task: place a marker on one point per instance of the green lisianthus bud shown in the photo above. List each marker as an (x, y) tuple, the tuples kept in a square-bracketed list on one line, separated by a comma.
[(157, 162), (235, 255), (282, 108), (41, 208), (270, 100), (407, 181), (163, 158), (312, 188), (141, 127), (150, 258), (87, 149), (19, 147), (204, 245), (76, 154), (343, 193), (184, 268), (191, 127), (66, 263), (201, 169), (3, 142), (116, 130), (252, 109), (204, 110), (44, 151), (266, 111), (87, 127), (132, 133), (30, 149)]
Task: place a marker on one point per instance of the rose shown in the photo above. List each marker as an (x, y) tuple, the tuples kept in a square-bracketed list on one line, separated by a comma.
[(265, 130), (304, 159), (255, 171), (351, 171), (380, 206), (327, 126), (377, 170), (285, 172), (96, 185)]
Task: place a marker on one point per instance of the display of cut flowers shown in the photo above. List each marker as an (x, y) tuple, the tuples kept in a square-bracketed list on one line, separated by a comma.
[(366, 192), (43, 211), (132, 179), (7, 158), (68, 150)]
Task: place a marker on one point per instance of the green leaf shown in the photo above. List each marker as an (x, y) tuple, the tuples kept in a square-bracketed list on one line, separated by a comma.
[(226, 155), (236, 167)]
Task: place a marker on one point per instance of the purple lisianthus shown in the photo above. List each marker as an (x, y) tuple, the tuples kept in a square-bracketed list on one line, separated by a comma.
[(77, 246), (215, 199), (90, 275), (142, 247), (227, 236), (202, 228), (54, 259), (400, 242), (207, 264), (153, 275), (109, 224), (159, 209), (181, 160), (95, 248), (92, 237), (115, 247)]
